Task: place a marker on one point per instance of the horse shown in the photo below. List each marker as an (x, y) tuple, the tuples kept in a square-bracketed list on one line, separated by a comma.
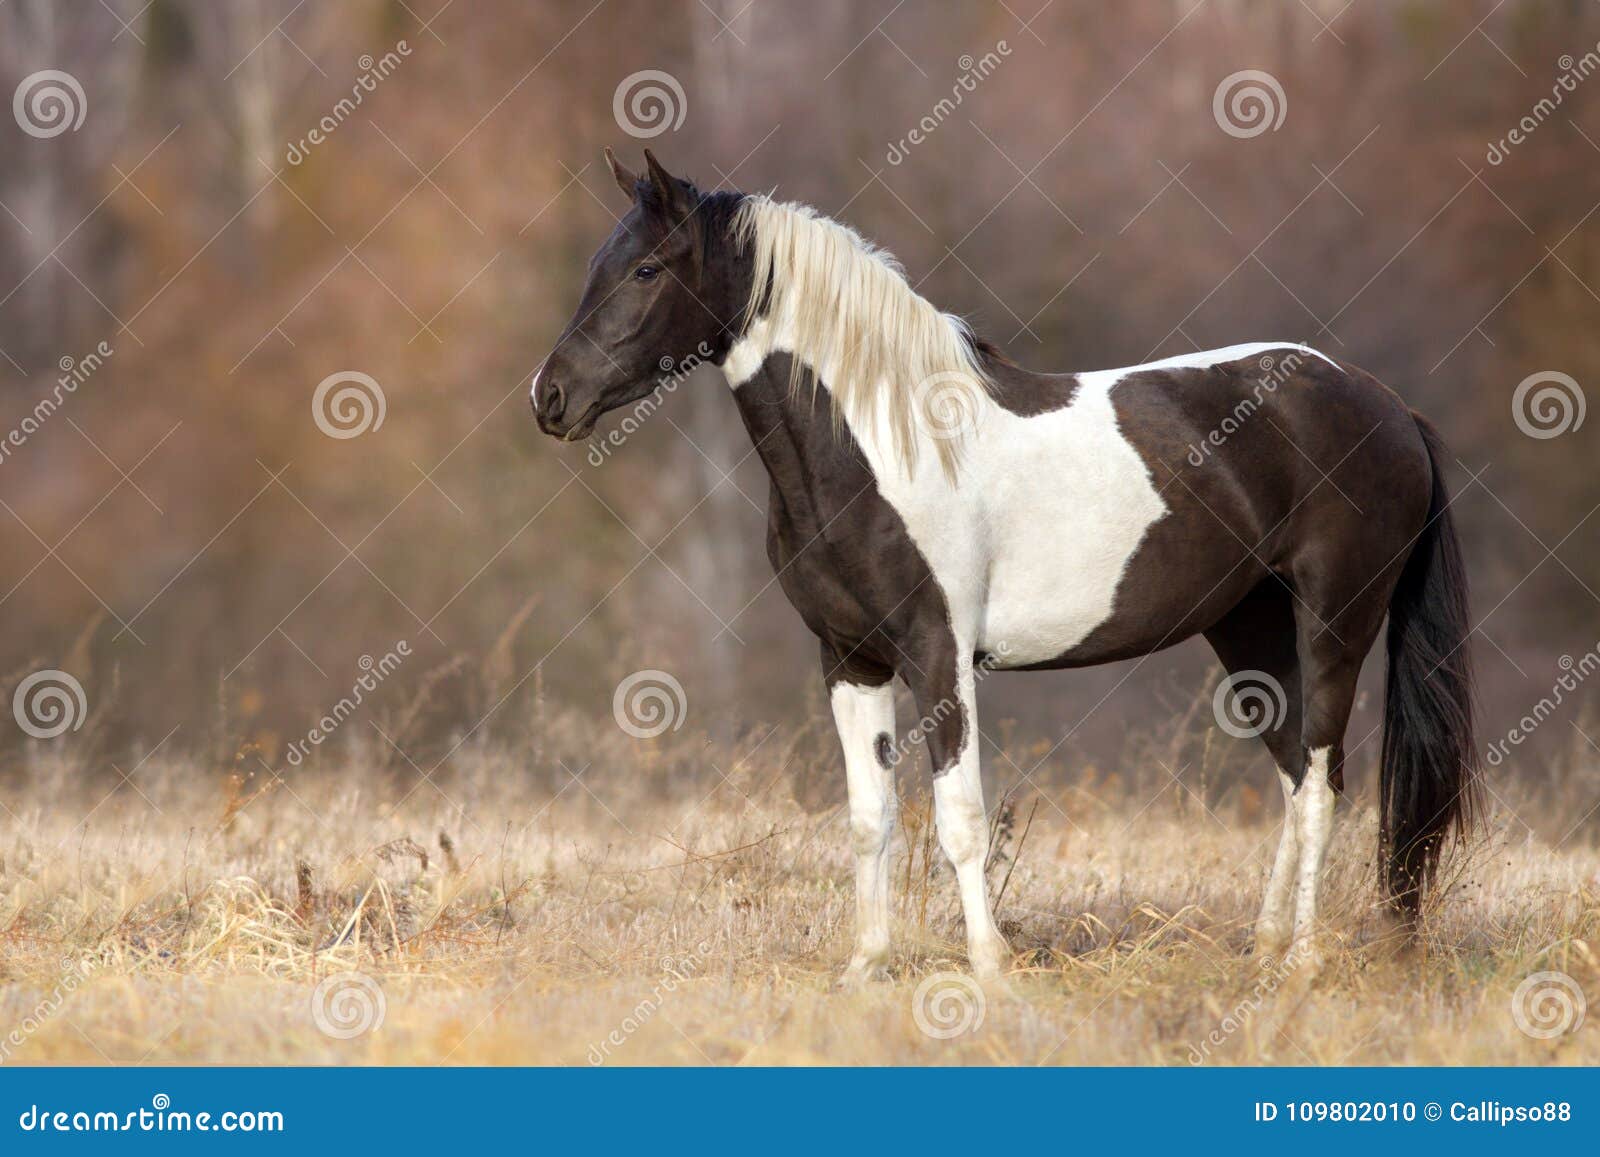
[(937, 511)]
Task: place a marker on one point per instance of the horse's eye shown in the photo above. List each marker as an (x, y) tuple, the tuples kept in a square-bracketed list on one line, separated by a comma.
[(646, 272)]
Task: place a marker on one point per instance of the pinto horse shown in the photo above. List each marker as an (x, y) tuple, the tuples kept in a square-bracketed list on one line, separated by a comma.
[(936, 509)]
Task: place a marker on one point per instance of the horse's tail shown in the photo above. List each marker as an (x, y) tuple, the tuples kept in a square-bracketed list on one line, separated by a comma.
[(1428, 774)]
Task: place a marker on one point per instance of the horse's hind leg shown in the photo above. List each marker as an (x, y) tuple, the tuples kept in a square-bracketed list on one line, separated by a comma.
[(1337, 616), (1257, 638), (1328, 676)]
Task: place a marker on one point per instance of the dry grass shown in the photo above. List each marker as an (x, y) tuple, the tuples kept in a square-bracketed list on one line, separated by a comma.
[(516, 916)]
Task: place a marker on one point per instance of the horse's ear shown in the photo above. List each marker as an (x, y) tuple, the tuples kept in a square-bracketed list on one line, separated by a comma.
[(669, 192), (627, 181)]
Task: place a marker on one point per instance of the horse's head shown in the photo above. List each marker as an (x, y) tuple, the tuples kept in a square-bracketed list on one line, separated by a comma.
[(651, 301)]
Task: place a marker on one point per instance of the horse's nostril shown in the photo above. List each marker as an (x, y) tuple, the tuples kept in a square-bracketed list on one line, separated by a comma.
[(551, 401)]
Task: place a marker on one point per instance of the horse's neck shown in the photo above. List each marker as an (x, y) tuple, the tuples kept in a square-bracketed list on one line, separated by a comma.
[(815, 463)]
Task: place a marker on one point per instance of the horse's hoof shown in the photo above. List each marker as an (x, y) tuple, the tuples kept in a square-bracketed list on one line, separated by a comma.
[(1270, 945), (1304, 961), (859, 974), (989, 961), (1397, 937)]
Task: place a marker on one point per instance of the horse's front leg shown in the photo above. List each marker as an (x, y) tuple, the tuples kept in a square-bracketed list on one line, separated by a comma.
[(947, 700), (864, 716)]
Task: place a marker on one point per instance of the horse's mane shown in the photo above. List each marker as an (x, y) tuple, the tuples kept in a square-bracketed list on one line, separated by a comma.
[(855, 321)]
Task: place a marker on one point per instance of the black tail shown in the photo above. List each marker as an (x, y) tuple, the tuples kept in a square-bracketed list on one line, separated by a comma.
[(1428, 777)]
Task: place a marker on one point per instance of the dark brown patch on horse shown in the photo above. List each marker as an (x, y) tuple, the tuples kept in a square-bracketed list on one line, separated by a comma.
[(1021, 391), (883, 748)]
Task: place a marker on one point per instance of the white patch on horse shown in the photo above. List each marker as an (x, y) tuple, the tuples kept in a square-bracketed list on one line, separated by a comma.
[(533, 390), (746, 355), (1314, 823), (1272, 926), (1204, 359), (964, 835), (862, 715)]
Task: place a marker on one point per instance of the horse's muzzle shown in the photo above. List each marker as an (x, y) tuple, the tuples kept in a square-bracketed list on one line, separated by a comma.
[(549, 401)]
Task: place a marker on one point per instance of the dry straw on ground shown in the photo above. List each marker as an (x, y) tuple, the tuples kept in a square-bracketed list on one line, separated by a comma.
[(653, 910)]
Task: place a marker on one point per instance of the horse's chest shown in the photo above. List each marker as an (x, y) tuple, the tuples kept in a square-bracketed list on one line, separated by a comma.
[(848, 565)]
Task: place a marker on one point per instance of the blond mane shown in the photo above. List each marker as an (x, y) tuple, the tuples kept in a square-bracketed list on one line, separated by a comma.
[(852, 318)]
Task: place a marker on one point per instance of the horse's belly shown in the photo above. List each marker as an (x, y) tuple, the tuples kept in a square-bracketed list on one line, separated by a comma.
[(1069, 501), (1047, 600)]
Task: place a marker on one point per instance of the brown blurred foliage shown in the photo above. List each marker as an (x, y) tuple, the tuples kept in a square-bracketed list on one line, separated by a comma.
[(183, 538)]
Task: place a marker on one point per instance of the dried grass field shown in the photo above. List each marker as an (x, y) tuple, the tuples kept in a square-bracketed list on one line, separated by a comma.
[(673, 903)]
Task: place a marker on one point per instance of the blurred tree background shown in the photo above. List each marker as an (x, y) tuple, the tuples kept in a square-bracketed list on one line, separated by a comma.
[(181, 536)]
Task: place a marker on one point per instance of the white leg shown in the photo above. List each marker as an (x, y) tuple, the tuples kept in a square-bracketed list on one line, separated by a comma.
[(1272, 926), (1314, 824), (865, 719), (964, 835)]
